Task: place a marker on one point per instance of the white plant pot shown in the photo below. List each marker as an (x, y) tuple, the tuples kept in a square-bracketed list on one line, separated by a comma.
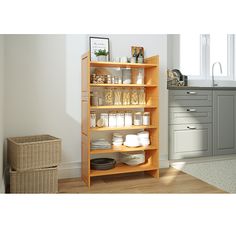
[(101, 58)]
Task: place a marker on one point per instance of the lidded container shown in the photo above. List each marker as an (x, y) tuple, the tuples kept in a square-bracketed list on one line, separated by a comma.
[(112, 119), (134, 97), (109, 79), (105, 117), (126, 97), (138, 118), (92, 119), (141, 97), (128, 119), (140, 76), (108, 96), (146, 118), (120, 119), (117, 97), (126, 76)]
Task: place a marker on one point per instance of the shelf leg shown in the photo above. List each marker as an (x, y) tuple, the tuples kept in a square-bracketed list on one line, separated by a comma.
[(153, 173)]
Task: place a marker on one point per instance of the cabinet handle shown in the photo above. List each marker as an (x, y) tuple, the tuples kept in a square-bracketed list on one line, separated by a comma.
[(191, 92), (191, 110), (191, 127)]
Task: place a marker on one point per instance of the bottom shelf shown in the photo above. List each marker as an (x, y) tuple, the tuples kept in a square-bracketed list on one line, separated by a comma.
[(123, 168)]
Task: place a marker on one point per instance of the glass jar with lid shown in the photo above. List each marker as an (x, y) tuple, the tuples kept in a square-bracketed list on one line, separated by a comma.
[(117, 97), (126, 97), (146, 118), (108, 96), (134, 97), (112, 119), (128, 119), (138, 118), (105, 117), (120, 119), (141, 97), (92, 119)]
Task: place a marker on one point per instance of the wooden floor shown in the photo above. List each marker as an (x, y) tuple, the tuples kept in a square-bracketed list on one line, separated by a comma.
[(171, 181)]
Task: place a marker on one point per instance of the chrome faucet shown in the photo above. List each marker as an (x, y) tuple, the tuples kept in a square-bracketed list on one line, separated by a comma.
[(212, 72)]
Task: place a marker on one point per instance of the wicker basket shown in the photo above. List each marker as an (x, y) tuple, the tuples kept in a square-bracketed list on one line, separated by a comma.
[(34, 152), (34, 181)]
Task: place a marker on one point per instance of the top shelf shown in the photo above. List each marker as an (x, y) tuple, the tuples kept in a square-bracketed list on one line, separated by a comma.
[(121, 65)]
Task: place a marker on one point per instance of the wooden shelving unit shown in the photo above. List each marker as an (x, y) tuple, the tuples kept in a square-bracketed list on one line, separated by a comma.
[(151, 82)]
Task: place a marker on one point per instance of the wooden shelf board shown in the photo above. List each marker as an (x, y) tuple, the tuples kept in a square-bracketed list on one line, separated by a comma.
[(122, 149), (123, 85), (123, 168), (121, 107), (121, 65), (134, 127)]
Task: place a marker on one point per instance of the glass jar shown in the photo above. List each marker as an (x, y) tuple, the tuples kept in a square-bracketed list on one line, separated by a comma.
[(108, 96), (92, 119), (94, 98), (116, 80), (134, 97), (137, 118), (117, 97), (146, 118), (126, 76), (128, 119), (93, 79), (109, 79), (112, 119), (120, 119), (141, 97), (105, 117), (126, 97), (119, 80)]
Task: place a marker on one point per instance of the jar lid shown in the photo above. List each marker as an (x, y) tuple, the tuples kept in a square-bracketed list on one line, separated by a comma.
[(146, 113), (138, 113)]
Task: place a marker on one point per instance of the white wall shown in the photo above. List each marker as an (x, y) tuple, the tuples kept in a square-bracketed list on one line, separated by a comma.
[(43, 87), (1, 110)]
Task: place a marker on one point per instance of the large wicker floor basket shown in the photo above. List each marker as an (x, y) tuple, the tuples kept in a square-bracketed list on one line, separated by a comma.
[(34, 181), (33, 152)]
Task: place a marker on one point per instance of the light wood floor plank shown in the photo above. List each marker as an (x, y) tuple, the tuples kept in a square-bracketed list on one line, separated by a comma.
[(171, 181)]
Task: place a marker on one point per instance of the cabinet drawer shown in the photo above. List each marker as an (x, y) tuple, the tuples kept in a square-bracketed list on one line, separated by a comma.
[(188, 141), (188, 115), (190, 98)]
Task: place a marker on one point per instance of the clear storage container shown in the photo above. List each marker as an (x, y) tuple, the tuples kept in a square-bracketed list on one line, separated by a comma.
[(120, 119), (117, 97), (126, 97), (112, 119), (105, 117), (146, 118), (134, 97), (137, 118), (128, 119), (141, 97), (108, 96)]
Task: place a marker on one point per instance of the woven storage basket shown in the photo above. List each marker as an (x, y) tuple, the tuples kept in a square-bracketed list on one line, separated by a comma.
[(33, 152), (34, 181)]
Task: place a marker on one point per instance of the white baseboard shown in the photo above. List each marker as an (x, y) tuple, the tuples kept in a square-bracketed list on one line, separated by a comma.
[(69, 170), (2, 185)]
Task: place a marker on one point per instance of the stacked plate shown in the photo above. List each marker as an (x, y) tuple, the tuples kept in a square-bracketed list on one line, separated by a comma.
[(132, 159), (100, 144), (117, 139), (102, 163), (132, 140), (144, 138)]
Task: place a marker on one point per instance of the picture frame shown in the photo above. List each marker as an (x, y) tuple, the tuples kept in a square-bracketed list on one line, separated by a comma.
[(98, 43)]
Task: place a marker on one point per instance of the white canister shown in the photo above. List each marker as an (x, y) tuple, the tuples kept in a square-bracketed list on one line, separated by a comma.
[(140, 77), (112, 119), (105, 117), (146, 118), (128, 119), (92, 120), (120, 119)]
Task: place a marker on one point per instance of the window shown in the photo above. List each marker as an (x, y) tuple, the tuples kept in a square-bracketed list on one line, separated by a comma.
[(199, 52)]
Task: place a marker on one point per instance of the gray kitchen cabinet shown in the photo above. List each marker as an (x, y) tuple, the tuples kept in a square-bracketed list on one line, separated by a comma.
[(190, 123), (224, 122), (190, 98), (191, 140)]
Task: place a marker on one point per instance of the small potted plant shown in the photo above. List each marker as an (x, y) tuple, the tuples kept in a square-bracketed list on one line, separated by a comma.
[(101, 55)]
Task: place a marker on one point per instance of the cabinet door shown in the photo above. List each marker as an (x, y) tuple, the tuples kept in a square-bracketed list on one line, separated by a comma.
[(224, 123), (188, 141)]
